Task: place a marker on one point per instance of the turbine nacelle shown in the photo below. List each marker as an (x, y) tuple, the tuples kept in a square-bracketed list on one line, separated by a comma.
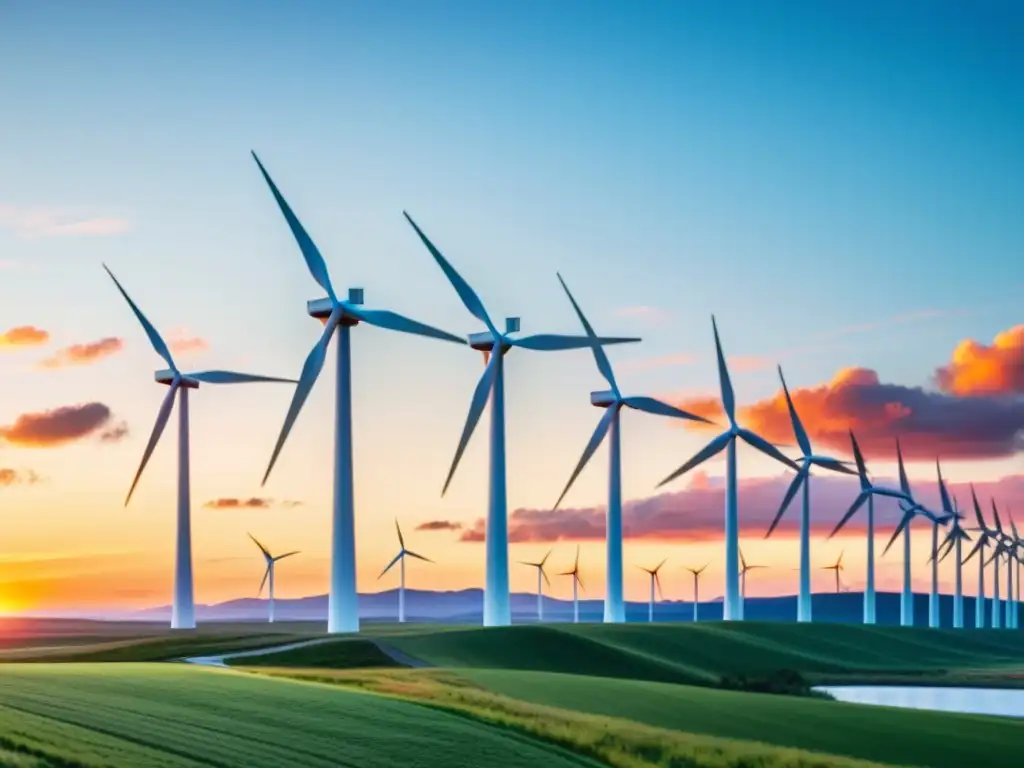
[(484, 341), (167, 376), (603, 399), (321, 308)]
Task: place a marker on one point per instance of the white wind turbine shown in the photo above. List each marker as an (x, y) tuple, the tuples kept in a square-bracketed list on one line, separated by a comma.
[(400, 559), (733, 607), (803, 478), (696, 586), (178, 384), (577, 584), (495, 345), (655, 581), (837, 566), (268, 574), (954, 543), (339, 317), (743, 580), (985, 537), (612, 401), (540, 587)]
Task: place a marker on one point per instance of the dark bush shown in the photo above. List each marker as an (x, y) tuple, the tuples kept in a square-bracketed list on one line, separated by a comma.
[(787, 682)]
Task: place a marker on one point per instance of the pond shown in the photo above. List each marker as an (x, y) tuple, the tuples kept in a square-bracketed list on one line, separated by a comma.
[(977, 701)]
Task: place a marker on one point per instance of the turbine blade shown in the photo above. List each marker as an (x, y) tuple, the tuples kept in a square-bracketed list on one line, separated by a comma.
[(230, 377), (468, 295), (401, 540), (862, 470), (728, 396), (835, 465), (314, 261), (476, 407), (898, 531), (286, 554), (658, 408), (767, 448), (798, 428), (977, 509), (580, 582), (794, 486), (904, 483), (393, 321), (393, 561), (713, 448), (603, 364), (553, 342), (418, 556), (975, 550), (266, 573), (945, 550), (657, 582), (162, 417), (995, 516), (262, 548), (545, 558), (310, 371), (154, 337), (592, 445), (947, 503), (546, 579)]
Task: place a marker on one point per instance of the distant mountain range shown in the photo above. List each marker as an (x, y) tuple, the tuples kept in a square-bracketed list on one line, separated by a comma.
[(466, 607)]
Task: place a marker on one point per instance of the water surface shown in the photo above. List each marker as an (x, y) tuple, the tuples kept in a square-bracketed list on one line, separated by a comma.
[(976, 701)]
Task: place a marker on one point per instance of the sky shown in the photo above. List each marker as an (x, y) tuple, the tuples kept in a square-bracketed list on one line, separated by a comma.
[(839, 183)]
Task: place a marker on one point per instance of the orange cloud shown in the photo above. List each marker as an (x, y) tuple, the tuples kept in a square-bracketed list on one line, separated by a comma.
[(980, 369), (24, 336), (439, 525), (83, 354), (182, 342), (229, 503), (56, 427), (17, 477), (927, 423)]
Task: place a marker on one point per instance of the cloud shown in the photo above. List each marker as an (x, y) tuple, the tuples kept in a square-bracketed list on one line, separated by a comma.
[(232, 503), (83, 354), (182, 342), (48, 429), (35, 222), (292, 503), (929, 424), (115, 433), (905, 318), (696, 512), (24, 336), (979, 369), (18, 477), (439, 525)]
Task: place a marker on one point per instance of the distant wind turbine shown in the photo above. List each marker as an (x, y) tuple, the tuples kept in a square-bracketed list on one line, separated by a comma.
[(339, 316), (696, 586), (997, 539), (985, 538), (577, 584), (868, 491), (837, 566), (178, 384), (1018, 556), (947, 516), (953, 543), (400, 559), (613, 401), (269, 574), (540, 587), (743, 579), (733, 607), (803, 478), (495, 344), (655, 581)]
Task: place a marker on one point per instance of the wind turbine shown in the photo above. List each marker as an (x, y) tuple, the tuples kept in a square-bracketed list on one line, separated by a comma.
[(948, 515), (733, 607), (577, 584), (1009, 547), (612, 401), (837, 566), (743, 580), (178, 384), (339, 316), (803, 478), (954, 543), (696, 587), (540, 587), (495, 344), (868, 491), (400, 559), (985, 537), (1018, 548), (655, 581), (269, 573), (997, 537)]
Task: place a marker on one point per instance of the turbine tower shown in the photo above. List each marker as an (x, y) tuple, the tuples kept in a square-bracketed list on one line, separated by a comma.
[(178, 384), (868, 491), (400, 559), (984, 539), (696, 587), (733, 608), (269, 574), (1018, 549), (743, 580), (540, 587), (495, 344), (837, 566), (612, 401), (803, 478), (577, 584), (339, 316), (954, 543), (1009, 547), (997, 538), (933, 595), (655, 581)]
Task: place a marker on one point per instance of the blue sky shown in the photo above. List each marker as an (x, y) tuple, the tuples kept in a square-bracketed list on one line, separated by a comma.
[(796, 168)]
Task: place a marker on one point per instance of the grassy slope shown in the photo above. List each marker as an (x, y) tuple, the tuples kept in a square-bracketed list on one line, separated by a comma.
[(85, 715), (903, 736)]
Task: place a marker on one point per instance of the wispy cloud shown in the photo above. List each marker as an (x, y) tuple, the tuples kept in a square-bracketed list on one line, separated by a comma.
[(24, 336), (253, 502), (49, 429), (183, 342), (439, 525), (10, 476), (36, 222), (905, 318), (83, 354)]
